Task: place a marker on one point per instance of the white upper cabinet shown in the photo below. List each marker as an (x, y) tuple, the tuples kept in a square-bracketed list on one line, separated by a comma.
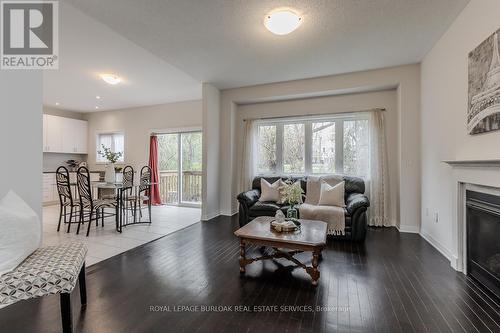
[(64, 135), (52, 127), (81, 137), (68, 131)]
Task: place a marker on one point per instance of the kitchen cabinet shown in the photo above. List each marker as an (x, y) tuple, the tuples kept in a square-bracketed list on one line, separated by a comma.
[(64, 135), (74, 135), (81, 127), (49, 188), (52, 134)]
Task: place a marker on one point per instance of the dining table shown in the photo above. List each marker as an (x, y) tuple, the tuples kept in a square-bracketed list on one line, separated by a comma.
[(119, 188)]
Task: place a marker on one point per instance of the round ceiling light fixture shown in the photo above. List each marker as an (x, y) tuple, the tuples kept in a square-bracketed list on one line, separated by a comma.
[(111, 78), (282, 22)]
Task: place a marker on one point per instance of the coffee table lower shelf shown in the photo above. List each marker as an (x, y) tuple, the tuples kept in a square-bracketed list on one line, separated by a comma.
[(280, 254)]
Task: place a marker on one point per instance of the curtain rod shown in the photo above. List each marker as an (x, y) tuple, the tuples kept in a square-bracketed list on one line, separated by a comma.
[(317, 114), (194, 129)]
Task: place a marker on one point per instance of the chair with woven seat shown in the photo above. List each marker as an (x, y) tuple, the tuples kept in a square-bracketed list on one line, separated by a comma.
[(95, 207), (65, 198)]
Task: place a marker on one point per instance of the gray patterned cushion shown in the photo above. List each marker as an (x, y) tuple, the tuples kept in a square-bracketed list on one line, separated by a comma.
[(47, 271)]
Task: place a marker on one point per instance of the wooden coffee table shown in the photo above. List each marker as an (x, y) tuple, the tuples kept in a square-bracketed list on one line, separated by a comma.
[(311, 238)]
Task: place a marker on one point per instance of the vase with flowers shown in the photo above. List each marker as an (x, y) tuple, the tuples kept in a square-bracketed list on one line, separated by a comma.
[(112, 158), (291, 193)]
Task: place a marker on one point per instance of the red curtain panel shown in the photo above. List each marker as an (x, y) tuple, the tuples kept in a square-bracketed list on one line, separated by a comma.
[(153, 164)]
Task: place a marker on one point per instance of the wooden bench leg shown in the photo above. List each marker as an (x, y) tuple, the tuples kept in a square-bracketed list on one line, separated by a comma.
[(83, 286), (66, 315)]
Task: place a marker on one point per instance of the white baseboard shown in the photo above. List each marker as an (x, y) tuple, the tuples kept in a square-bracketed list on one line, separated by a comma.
[(454, 264), (440, 247), (228, 213), (209, 216), (408, 228)]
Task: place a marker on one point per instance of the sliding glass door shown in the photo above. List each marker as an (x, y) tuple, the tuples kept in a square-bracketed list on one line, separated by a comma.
[(180, 164)]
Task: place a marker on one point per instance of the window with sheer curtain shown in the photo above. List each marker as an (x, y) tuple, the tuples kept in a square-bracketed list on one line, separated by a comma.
[(322, 145), (113, 141)]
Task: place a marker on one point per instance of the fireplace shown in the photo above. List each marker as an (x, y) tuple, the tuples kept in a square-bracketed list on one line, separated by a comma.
[(483, 239)]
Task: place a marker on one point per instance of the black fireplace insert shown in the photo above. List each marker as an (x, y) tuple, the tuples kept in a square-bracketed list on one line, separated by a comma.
[(483, 240)]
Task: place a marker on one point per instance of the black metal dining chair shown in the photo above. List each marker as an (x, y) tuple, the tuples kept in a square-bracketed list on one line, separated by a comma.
[(127, 196), (95, 207), (144, 192), (65, 198)]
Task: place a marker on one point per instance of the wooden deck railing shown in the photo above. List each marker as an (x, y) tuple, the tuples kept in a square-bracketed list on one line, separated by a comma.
[(191, 185)]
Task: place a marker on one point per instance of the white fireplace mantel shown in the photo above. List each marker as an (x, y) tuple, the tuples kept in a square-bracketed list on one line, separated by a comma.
[(482, 175)]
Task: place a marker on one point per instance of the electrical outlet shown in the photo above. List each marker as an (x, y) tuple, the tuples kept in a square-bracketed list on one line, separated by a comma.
[(436, 217)]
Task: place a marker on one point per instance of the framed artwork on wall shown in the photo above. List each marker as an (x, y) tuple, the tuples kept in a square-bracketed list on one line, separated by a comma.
[(483, 112)]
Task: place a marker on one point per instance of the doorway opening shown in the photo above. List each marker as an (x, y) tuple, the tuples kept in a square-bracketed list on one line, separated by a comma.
[(180, 168)]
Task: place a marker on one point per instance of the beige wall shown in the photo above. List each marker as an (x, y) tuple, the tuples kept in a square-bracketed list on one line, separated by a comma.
[(137, 124), (444, 106), (406, 81), (329, 105)]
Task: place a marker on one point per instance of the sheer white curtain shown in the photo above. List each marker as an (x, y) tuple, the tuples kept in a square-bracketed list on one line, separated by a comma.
[(248, 159), (378, 184)]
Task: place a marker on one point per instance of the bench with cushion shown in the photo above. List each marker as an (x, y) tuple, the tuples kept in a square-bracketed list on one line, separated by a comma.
[(48, 271), (356, 204)]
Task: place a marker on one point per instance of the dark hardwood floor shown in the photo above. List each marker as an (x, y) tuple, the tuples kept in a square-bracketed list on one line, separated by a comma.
[(392, 283)]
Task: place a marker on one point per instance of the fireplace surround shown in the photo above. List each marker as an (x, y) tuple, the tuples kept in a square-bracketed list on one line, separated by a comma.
[(481, 176)]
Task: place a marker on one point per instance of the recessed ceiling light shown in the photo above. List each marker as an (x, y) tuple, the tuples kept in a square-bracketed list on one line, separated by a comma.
[(282, 22), (98, 97), (111, 78), (57, 103), (96, 107)]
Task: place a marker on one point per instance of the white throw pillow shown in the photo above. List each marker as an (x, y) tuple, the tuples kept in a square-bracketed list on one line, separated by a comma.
[(332, 195), (313, 186), (270, 192), (20, 232)]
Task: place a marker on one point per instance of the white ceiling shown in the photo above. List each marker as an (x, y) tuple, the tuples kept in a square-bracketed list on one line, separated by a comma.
[(88, 48), (224, 42)]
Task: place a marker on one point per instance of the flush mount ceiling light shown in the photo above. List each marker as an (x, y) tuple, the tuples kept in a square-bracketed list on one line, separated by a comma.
[(282, 22), (111, 78)]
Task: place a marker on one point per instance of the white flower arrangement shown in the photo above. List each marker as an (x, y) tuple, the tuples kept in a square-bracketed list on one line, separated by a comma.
[(291, 192)]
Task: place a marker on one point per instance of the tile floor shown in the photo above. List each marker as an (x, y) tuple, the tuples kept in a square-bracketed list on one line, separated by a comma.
[(106, 242)]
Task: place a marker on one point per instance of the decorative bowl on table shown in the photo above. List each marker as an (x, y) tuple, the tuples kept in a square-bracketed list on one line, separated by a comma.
[(287, 225)]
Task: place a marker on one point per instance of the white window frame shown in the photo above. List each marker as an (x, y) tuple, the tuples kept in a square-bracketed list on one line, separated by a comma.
[(99, 147), (308, 121)]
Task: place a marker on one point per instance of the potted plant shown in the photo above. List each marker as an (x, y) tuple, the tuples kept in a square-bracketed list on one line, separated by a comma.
[(292, 194), (112, 158)]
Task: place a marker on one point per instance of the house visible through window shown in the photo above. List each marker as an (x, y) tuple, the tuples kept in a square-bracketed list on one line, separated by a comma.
[(113, 141), (334, 144)]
